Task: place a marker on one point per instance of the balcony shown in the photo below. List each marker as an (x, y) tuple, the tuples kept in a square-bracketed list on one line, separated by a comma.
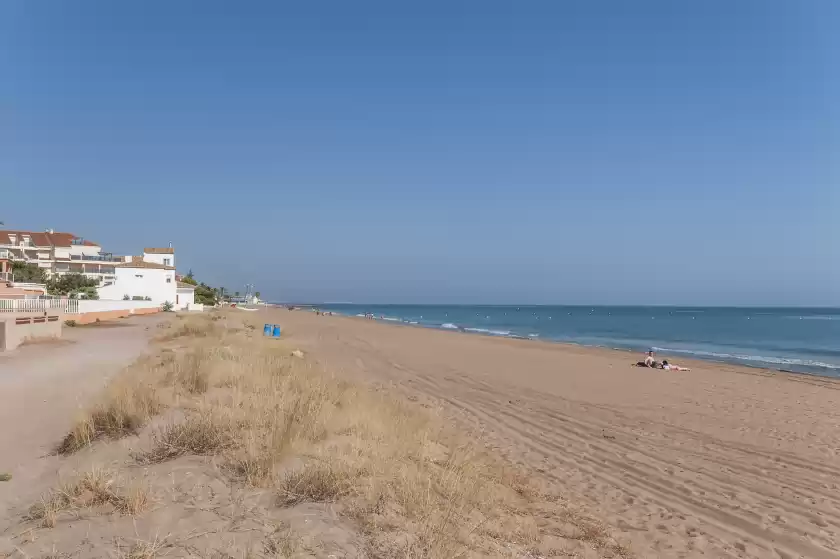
[(96, 257), (5, 254)]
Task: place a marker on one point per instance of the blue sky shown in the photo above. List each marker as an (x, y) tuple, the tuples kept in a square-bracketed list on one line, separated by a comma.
[(498, 152)]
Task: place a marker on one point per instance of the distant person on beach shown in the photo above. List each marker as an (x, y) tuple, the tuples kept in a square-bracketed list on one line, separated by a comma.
[(649, 361)]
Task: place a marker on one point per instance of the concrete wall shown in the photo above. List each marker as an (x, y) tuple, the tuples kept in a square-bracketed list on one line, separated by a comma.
[(15, 328), (88, 306), (141, 282)]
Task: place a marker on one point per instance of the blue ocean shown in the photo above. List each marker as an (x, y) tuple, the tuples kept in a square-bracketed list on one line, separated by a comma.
[(792, 339)]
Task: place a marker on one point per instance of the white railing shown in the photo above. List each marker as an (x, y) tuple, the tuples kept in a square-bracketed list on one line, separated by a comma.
[(74, 306), (37, 305)]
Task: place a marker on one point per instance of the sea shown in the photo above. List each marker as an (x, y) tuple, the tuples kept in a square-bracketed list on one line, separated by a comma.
[(801, 340)]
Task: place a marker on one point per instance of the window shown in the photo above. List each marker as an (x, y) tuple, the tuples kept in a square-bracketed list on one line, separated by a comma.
[(13, 239), (168, 279), (138, 275), (167, 261)]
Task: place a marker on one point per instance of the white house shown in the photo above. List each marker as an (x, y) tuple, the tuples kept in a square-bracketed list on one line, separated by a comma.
[(144, 276)]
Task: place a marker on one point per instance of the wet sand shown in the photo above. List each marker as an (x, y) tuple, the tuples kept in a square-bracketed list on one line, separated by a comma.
[(720, 461)]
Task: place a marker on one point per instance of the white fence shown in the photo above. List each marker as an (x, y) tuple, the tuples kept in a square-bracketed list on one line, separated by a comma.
[(39, 305), (72, 306)]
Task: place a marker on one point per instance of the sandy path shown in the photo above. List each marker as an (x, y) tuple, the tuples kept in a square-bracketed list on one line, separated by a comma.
[(717, 462), (41, 388)]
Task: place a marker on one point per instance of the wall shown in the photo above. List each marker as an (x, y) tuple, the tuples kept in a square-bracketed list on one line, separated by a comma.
[(37, 325), (88, 306), (150, 283), (186, 297), (92, 311), (159, 258)]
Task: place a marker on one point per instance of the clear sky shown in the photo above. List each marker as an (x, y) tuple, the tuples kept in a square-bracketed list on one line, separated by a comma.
[(479, 151)]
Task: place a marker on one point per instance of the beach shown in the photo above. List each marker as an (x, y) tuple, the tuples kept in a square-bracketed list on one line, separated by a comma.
[(719, 461)]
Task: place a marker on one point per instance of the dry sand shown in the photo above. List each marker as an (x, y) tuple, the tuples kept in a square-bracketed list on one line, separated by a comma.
[(720, 461), (42, 388), (716, 462)]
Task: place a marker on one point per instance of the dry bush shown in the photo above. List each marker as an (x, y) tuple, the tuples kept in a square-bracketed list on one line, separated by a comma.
[(126, 407), (97, 487), (317, 483), (194, 326), (201, 434)]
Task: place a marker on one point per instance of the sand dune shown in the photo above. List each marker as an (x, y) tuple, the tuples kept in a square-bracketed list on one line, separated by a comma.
[(717, 462)]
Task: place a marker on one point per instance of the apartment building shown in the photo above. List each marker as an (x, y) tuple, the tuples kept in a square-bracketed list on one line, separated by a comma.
[(59, 253)]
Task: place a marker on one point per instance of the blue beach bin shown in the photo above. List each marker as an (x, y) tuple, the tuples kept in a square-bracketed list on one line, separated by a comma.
[(276, 332), (267, 330)]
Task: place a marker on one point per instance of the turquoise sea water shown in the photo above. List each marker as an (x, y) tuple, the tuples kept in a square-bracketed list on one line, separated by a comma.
[(793, 339)]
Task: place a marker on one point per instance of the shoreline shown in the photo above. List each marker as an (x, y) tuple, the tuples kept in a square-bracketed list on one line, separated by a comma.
[(721, 461), (692, 362)]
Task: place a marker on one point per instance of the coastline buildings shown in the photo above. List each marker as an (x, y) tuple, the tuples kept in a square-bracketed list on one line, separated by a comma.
[(59, 253), (149, 277)]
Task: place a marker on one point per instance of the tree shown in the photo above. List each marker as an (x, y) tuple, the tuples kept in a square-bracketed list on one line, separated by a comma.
[(167, 306), (74, 285), (189, 280), (236, 294), (190, 274), (28, 273), (205, 295), (257, 294)]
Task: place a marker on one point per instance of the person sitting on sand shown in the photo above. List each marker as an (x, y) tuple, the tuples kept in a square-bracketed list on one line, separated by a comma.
[(649, 361)]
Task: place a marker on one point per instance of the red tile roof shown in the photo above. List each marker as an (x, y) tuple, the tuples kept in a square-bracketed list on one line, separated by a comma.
[(43, 238), (168, 250)]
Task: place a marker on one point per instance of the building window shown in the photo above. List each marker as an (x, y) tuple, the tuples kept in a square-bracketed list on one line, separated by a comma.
[(167, 261), (168, 279), (13, 239), (138, 275)]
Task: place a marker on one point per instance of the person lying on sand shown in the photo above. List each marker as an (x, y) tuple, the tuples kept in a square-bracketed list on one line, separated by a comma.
[(668, 367)]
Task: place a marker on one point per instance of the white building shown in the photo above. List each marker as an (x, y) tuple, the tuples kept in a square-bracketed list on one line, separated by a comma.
[(141, 277), (59, 253)]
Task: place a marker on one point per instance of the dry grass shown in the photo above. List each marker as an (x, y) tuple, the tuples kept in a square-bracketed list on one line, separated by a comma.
[(96, 488), (201, 434), (412, 487), (193, 326), (140, 549), (126, 406)]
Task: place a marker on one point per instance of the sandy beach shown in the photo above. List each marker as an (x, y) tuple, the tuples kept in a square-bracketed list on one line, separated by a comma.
[(720, 461), (609, 460)]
